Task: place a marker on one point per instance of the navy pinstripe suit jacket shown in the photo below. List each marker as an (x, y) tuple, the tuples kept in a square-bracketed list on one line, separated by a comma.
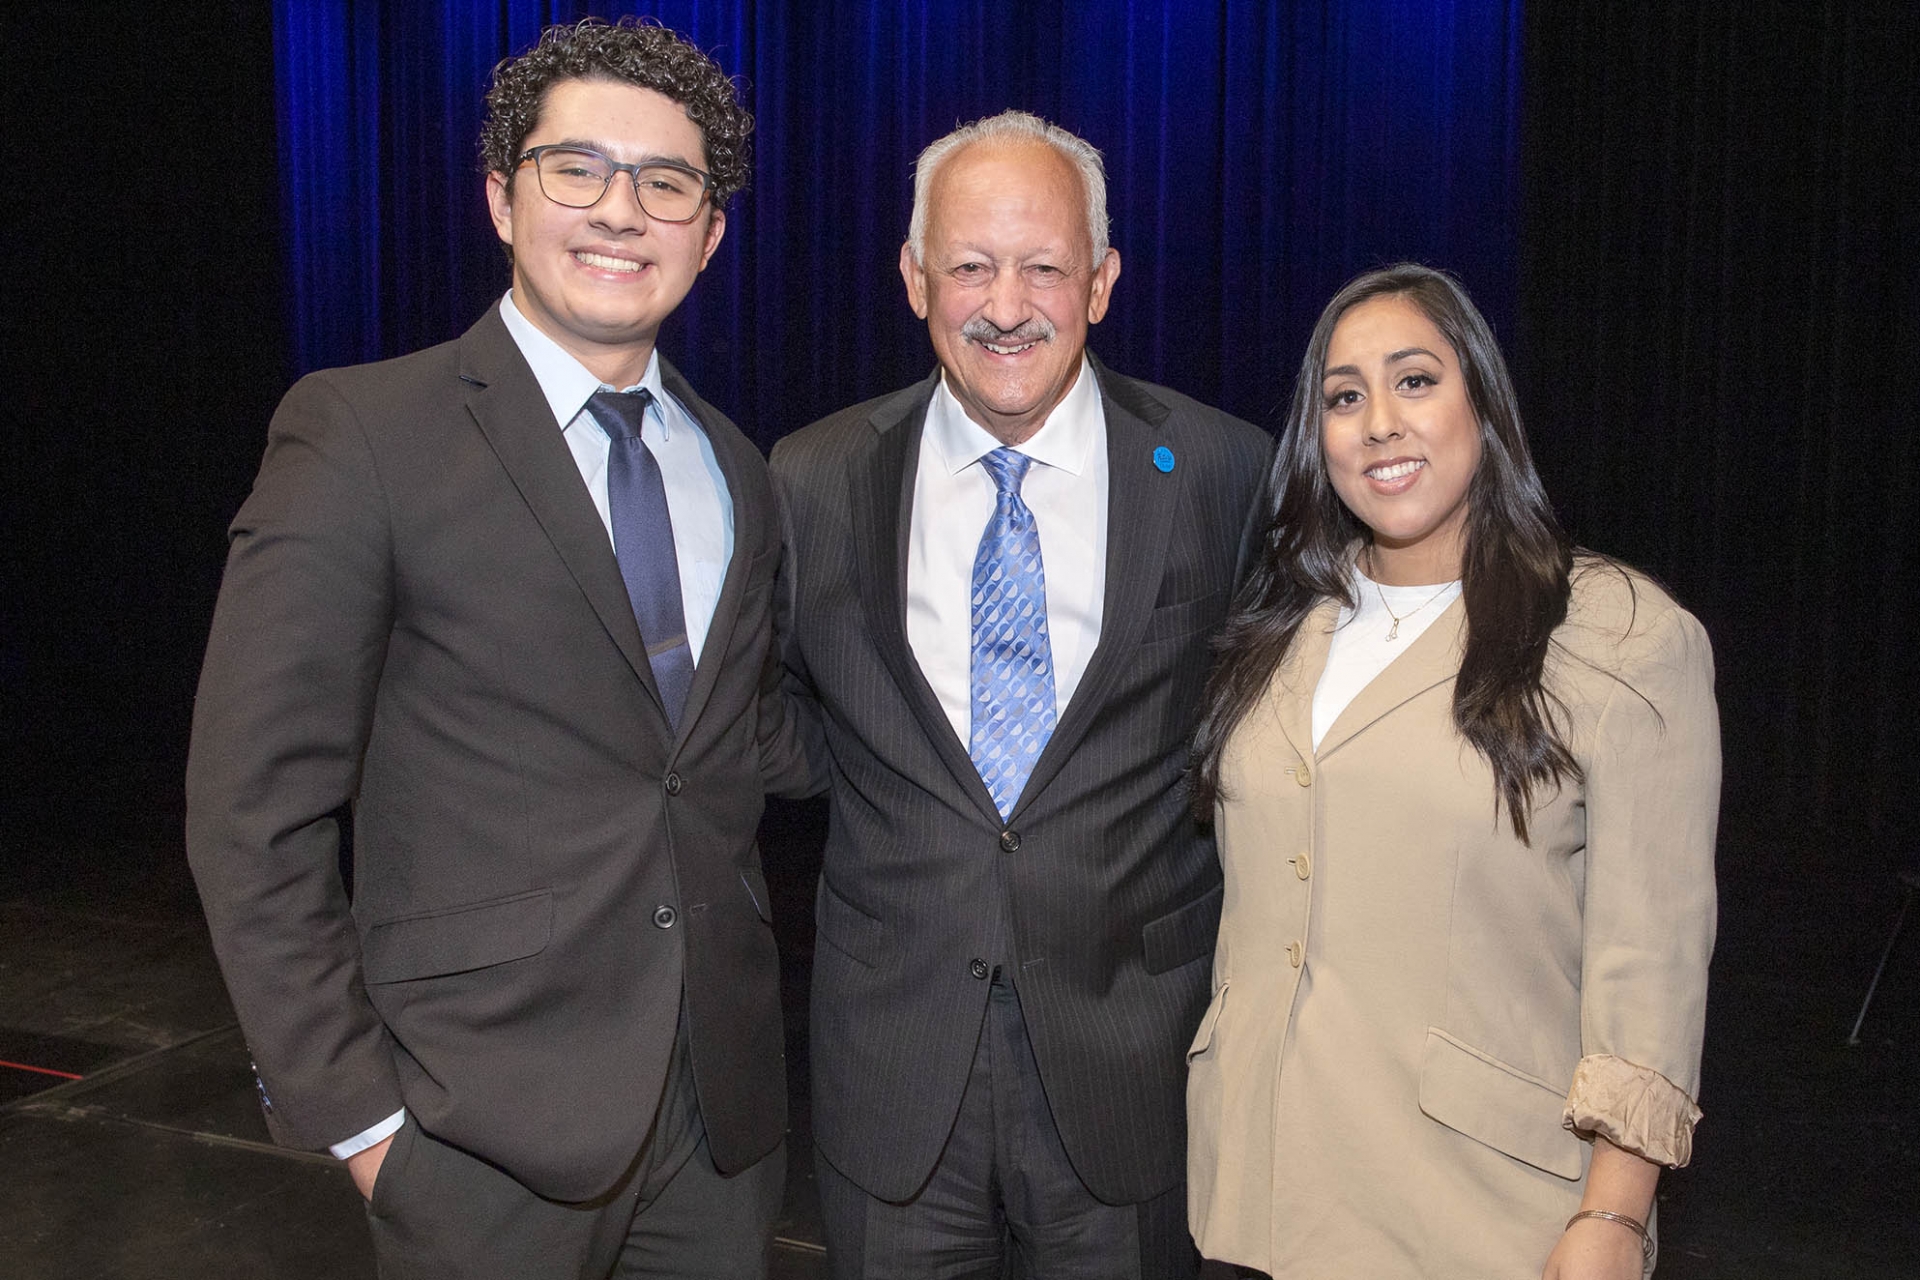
[(1099, 894)]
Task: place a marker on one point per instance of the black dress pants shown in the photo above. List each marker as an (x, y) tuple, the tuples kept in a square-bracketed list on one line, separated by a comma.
[(1003, 1201), (438, 1213)]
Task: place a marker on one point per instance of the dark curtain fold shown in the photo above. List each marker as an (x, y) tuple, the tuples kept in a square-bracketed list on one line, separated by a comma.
[(1258, 154), (1720, 310)]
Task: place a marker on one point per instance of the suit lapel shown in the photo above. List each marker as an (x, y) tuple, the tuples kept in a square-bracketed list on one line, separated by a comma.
[(1136, 557), (1433, 658), (505, 400), (747, 535), (1290, 696), (880, 495)]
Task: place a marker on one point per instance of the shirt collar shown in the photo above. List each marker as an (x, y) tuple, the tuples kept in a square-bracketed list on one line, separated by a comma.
[(564, 381), (1063, 440)]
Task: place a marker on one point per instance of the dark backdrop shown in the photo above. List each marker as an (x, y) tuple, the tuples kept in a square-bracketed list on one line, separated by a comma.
[(1258, 155), (144, 342), (1695, 234), (1720, 319)]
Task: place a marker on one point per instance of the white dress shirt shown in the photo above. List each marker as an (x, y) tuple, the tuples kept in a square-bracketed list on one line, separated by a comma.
[(953, 497), (697, 501)]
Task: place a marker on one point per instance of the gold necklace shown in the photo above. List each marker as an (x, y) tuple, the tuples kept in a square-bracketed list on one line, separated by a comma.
[(1393, 632)]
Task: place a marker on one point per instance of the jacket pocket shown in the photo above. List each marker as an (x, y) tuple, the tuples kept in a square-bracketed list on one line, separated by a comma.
[(1502, 1106), (387, 1183), (1173, 621), (848, 928), (459, 938), (1182, 935), (1203, 1038)]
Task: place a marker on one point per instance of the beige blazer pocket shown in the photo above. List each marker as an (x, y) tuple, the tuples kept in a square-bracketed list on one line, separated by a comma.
[(459, 938), (1514, 1113)]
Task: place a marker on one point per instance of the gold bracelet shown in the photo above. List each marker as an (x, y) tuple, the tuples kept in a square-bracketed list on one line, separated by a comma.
[(1638, 1227)]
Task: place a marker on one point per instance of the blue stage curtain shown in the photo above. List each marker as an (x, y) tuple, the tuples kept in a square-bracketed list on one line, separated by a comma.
[(1258, 155)]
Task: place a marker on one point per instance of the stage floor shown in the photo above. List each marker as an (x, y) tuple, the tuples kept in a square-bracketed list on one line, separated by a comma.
[(135, 1149)]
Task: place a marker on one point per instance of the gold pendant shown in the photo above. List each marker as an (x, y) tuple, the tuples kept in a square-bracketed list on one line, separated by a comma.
[(1393, 632)]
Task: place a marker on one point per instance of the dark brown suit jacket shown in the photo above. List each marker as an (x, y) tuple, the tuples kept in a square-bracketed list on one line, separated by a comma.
[(422, 626), (1100, 895)]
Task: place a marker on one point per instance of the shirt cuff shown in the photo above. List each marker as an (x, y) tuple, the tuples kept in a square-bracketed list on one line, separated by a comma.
[(367, 1137), (1635, 1108)]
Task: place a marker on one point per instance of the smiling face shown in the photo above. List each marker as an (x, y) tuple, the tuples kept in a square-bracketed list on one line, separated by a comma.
[(1401, 438), (600, 281), (1009, 285)]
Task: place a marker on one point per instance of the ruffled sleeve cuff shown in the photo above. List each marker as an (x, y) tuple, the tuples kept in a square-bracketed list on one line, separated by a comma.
[(1635, 1108)]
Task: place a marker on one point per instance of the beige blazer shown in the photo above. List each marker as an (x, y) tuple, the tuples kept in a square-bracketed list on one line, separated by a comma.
[(1413, 1012)]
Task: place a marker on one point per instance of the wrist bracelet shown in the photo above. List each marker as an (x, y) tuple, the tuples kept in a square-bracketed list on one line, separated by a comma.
[(1638, 1227)]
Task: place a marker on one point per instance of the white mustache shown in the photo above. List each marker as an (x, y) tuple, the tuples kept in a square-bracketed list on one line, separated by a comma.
[(1038, 329)]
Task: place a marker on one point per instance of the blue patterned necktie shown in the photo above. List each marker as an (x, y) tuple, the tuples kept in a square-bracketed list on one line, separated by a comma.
[(643, 544), (1012, 686)]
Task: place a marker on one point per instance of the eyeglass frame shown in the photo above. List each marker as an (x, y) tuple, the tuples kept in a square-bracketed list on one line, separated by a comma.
[(632, 171)]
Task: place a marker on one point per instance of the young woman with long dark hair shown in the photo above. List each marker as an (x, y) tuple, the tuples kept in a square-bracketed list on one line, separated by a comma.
[(1465, 779)]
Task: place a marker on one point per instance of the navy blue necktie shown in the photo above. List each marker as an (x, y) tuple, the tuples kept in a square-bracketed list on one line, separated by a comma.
[(1012, 659), (643, 544)]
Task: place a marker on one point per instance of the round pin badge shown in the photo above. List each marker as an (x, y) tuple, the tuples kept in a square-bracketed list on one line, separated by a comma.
[(1163, 459)]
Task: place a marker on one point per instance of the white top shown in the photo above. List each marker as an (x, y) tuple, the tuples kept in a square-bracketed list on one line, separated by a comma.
[(698, 503), (953, 497), (697, 497), (1360, 649)]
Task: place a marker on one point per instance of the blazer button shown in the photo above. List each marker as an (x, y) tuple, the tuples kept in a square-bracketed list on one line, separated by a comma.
[(978, 968), (1010, 841), (673, 784), (1294, 954), (1302, 865), (664, 916), (1303, 775)]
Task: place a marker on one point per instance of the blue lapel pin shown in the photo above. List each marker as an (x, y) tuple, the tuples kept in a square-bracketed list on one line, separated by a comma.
[(1163, 459)]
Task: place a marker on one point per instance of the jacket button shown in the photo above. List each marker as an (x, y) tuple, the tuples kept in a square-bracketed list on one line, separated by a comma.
[(1294, 953), (1303, 775), (664, 916), (978, 968), (673, 784), (1010, 841), (1302, 865)]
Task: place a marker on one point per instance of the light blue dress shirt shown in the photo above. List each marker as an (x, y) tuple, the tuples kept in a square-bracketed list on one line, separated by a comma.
[(697, 496)]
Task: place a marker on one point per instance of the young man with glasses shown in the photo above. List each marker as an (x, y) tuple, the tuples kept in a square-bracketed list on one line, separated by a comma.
[(500, 610)]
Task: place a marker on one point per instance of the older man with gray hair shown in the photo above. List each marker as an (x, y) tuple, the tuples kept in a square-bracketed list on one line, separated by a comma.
[(999, 585)]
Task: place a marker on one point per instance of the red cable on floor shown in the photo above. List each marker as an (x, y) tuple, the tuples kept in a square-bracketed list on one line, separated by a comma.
[(45, 1071)]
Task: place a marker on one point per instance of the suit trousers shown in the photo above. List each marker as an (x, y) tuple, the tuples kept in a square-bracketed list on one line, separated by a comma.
[(438, 1213), (1003, 1200)]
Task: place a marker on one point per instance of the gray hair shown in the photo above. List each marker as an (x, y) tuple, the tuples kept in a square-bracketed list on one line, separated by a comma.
[(1012, 126)]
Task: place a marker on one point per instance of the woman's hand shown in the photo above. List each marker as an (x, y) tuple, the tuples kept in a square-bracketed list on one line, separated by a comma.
[(1599, 1248)]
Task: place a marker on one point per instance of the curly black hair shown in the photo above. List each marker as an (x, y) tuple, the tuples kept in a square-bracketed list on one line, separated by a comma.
[(637, 51)]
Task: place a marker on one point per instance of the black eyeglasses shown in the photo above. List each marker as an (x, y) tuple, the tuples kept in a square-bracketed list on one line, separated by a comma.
[(578, 177)]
